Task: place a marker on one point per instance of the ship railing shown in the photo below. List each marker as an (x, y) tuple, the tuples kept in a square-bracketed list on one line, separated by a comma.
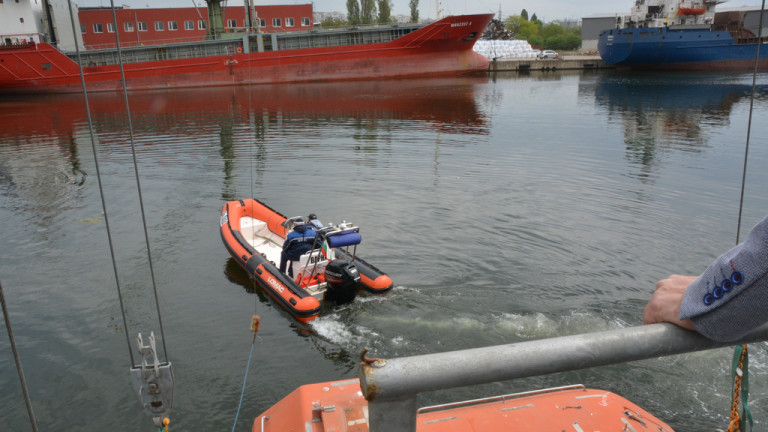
[(391, 386), (327, 38), (346, 27), (15, 40), (272, 29), (247, 42), (103, 57), (752, 40), (17, 45), (139, 43)]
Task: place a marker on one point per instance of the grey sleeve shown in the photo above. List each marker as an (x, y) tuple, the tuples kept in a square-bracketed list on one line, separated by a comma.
[(731, 297)]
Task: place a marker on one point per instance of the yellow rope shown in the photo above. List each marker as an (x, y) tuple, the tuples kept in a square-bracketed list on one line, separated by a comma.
[(734, 425), (164, 424)]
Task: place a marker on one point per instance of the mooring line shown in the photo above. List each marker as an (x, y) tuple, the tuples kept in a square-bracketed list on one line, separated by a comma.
[(18, 361)]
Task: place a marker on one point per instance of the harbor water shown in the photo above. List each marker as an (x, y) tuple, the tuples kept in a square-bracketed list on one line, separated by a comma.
[(505, 208)]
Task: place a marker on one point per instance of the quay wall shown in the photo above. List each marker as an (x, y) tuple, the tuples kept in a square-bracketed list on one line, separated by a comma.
[(564, 63)]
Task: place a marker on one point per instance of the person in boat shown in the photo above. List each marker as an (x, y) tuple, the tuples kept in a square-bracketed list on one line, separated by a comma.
[(726, 301), (312, 218), (297, 243)]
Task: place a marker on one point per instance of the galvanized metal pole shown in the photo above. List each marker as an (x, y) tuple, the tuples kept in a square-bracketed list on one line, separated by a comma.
[(391, 386)]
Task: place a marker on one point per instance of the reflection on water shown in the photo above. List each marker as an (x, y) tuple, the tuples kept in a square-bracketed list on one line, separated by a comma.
[(251, 118), (663, 112), (505, 209), (172, 111)]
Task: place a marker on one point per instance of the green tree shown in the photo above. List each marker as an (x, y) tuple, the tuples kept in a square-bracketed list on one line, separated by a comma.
[(529, 29), (564, 42), (524, 15), (414, 5), (551, 30), (512, 23), (551, 36), (537, 42), (533, 17), (385, 11), (521, 28), (367, 11), (353, 12), (332, 22)]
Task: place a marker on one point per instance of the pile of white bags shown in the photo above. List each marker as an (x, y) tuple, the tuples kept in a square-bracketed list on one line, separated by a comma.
[(504, 49)]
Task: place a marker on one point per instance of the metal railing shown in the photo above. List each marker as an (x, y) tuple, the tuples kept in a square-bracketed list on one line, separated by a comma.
[(392, 386)]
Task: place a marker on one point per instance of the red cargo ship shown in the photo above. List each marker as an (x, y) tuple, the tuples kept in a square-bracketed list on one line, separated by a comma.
[(441, 48)]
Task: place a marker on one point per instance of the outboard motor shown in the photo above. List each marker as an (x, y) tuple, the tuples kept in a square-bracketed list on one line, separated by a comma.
[(343, 279)]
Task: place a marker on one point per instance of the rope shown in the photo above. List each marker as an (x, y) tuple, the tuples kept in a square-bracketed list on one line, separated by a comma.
[(138, 181), (18, 362), (242, 392), (101, 187), (255, 323), (740, 376), (165, 421), (749, 123), (255, 320), (739, 373), (164, 425)]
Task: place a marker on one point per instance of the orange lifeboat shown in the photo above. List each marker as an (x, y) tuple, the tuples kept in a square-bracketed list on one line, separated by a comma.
[(691, 11), (340, 406), (254, 234)]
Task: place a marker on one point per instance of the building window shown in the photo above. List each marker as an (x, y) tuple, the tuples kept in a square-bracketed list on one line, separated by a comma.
[(82, 28), (189, 25), (172, 25), (110, 27), (128, 27), (159, 26), (98, 28), (201, 25), (262, 22), (20, 19), (142, 26), (277, 22), (305, 22), (231, 23), (289, 22)]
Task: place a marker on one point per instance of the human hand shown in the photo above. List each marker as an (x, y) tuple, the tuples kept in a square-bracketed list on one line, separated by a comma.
[(664, 305)]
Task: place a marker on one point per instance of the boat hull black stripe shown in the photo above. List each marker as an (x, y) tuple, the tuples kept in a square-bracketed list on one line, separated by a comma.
[(240, 239), (231, 251), (270, 270), (257, 260), (229, 223), (285, 303)]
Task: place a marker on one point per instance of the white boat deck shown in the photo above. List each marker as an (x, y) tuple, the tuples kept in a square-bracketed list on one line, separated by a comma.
[(258, 235)]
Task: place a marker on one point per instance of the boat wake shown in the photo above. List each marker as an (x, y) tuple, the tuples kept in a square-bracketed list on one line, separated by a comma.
[(373, 322)]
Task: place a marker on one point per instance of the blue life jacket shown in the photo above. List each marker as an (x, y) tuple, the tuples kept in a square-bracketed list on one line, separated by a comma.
[(299, 241)]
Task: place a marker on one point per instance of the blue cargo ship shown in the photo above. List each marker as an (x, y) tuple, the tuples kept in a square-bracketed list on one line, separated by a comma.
[(681, 35)]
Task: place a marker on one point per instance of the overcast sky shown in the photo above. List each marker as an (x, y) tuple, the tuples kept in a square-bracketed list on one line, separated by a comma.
[(546, 10)]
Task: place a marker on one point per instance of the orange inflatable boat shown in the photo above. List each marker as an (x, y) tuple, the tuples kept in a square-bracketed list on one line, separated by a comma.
[(326, 269)]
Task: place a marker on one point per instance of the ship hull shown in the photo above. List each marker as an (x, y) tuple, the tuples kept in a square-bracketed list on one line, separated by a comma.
[(441, 48), (679, 49)]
